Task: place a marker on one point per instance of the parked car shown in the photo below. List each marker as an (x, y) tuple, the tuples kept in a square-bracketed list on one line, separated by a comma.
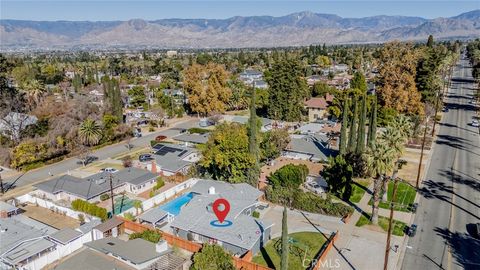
[(87, 160), (109, 170), (160, 138), (414, 207), (412, 230), (314, 187), (475, 123), (444, 109), (145, 157), (477, 230)]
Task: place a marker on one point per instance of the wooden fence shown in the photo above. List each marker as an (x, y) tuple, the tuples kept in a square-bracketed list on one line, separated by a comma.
[(317, 261), (243, 263)]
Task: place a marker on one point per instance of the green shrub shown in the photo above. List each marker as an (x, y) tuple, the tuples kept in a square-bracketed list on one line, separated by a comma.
[(290, 175), (197, 130), (160, 184), (129, 216), (151, 129), (90, 208), (153, 143), (256, 214), (104, 197), (149, 235)]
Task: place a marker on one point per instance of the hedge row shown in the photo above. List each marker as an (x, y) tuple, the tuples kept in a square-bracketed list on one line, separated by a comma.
[(90, 208)]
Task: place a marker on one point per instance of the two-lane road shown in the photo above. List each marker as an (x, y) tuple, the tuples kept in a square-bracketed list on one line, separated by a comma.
[(64, 166), (450, 194)]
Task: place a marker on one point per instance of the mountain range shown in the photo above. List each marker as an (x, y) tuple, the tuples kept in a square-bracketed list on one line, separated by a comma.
[(296, 29)]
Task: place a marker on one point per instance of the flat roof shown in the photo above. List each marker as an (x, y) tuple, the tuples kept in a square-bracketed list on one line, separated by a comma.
[(137, 251), (109, 224), (66, 235)]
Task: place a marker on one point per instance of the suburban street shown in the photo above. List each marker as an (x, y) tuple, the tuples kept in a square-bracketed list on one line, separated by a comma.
[(449, 201), (66, 165)]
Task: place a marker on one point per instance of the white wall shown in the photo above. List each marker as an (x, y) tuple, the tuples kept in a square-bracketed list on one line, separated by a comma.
[(28, 198)]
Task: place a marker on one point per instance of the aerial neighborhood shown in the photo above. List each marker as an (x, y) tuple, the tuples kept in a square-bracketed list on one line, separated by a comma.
[(309, 156)]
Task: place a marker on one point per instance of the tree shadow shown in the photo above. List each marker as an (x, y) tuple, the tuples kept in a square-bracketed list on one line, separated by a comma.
[(464, 248), (455, 126), (364, 188), (432, 190), (267, 258)]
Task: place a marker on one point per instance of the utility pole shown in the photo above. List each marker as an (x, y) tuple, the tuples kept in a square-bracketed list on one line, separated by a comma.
[(390, 221), (436, 111), (1, 185), (421, 153), (110, 177)]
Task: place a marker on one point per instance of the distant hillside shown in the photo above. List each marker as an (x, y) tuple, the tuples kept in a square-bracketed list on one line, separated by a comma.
[(295, 29)]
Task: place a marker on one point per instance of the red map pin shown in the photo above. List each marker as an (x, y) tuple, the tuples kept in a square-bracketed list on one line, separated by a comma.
[(221, 213)]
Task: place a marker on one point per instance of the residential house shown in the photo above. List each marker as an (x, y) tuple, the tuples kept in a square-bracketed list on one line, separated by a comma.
[(311, 80), (113, 253), (13, 124), (24, 243), (69, 188), (245, 233), (266, 124), (317, 107), (192, 139), (171, 159), (308, 147), (250, 75), (260, 84)]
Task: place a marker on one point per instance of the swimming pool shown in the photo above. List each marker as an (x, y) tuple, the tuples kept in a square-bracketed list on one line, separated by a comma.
[(174, 206)]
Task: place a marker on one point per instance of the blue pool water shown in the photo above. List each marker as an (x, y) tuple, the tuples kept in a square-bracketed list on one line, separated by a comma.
[(174, 206)]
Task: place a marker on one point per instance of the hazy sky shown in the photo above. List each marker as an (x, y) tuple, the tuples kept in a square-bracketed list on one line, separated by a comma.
[(123, 10)]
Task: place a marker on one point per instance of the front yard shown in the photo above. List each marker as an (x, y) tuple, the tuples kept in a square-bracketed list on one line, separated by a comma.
[(303, 245), (398, 226), (358, 190), (403, 200)]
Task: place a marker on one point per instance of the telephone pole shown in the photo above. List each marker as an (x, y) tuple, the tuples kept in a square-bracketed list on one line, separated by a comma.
[(389, 234), (110, 177), (421, 153)]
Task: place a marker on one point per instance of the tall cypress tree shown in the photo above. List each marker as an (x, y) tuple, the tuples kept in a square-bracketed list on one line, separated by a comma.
[(253, 173), (352, 141), (285, 249), (361, 127), (372, 128), (343, 132)]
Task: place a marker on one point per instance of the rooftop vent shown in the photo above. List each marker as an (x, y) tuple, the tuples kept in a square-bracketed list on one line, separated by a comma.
[(211, 190)]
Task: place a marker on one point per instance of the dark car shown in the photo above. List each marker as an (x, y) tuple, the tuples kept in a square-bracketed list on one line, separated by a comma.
[(444, 109), (413, 207), (145, 157), (87, 160), (412, 230)]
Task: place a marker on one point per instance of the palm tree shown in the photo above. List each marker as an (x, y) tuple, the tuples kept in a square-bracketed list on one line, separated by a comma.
[(138, 205), (379, 161), (34, 92), (90, 133)]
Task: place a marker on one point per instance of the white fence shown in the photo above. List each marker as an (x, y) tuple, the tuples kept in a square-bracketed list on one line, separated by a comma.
[(167, 194), (28, 198)]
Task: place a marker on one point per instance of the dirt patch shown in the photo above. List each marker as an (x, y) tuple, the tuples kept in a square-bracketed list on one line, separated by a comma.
[(46, 216), (375, 228)]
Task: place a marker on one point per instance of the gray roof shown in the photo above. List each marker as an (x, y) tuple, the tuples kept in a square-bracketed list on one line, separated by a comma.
[(193, 138), (20, 240), (136, 251), (7, 207), (109, 224), (153, 216), (92, 260), (66, 235), (170, 157), (197, 214), (311, 145), (96, 184), (87, 227)]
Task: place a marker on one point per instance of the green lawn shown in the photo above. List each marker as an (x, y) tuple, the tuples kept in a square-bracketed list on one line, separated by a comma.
[(404, 198), (398, 226), (302, 243), (358, 190)]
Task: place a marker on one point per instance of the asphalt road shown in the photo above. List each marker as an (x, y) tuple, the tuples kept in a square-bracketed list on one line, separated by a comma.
[(64, 166), (450, 195)]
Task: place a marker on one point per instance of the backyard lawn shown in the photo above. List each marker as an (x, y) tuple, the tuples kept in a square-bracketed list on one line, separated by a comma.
[(302, 245), (398, 226), (404, 198)]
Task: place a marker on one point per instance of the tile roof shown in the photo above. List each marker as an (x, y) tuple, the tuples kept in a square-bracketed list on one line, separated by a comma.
[(96, 184)]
